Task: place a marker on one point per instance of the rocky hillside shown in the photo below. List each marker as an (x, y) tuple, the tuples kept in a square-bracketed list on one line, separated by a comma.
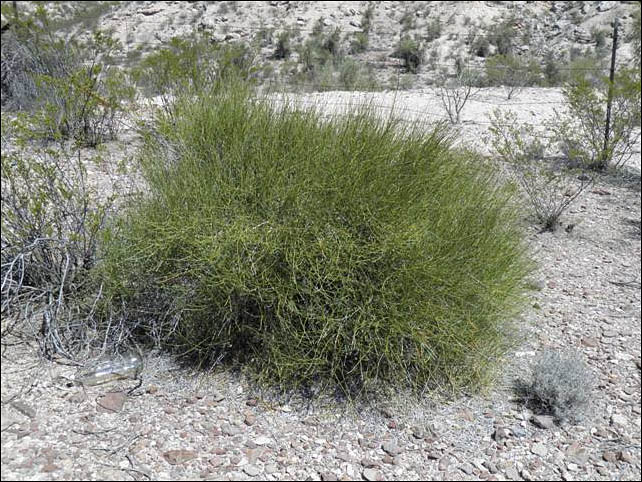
[(370, 32)]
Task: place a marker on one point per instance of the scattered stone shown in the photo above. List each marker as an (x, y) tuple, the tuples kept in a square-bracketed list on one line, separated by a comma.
[(77, 397), (24, 409), (369, 463), (500, 434), (113, 401), (539, 449), (252, 402), (433, 454), (271, 468), (344, 457), (262, 440), (387, 459), (617, 419), (590, 341), (609, 456), (391, 448), (230, 430), (577, 454), (50, 467), (603, 471), (217, 396), (371, 474), (543, 421), (392, 424), (418, 432), (444, 462), (625, 456), (511, 473), (252, 470), (175, 457), (250, 419), (518, 432), (526, 475), (492, 468), (326, 476), (7, 420), (466, 468)]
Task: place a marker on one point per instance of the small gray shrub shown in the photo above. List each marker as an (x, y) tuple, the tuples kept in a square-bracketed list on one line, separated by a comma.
[(560, 385)]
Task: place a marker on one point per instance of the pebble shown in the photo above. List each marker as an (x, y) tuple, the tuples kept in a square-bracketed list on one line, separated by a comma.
[(369, 463), (371, 474), (511, 473), (625, 456), (444, 462), (577, 454), (217, 396), (252, 470), (526, 475), (500, 434), (539, 449), (231, 430), (112, 402), (176, 457), (262, 440), (326, 476), (543, 421), (24, 409), (609, 456), (391, 448)]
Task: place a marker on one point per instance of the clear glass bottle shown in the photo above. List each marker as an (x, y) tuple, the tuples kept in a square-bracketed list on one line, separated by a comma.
[(128, 366)]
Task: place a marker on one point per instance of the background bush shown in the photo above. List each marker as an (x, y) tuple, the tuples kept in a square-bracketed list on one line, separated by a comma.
[(69, 88), (51, 227), (550, 182), (351, 252)]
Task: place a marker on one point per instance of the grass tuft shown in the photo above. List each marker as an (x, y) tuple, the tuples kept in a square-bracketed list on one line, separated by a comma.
[(352, 252)]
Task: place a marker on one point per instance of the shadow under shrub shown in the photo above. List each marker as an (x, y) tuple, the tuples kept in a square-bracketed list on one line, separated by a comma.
[(352, 251)]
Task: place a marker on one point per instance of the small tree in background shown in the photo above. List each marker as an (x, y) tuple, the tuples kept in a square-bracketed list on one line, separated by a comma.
[(548, 184), (635, 37), (512, 73), (283, 47), (69, 87), (456, 91), (411, 52), (584, 142)]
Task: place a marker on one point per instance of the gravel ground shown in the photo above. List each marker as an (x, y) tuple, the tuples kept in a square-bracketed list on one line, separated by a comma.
[(186, 425)]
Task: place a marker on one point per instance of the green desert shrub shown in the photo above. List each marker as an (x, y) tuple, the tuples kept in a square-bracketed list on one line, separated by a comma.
[(352, 251)]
